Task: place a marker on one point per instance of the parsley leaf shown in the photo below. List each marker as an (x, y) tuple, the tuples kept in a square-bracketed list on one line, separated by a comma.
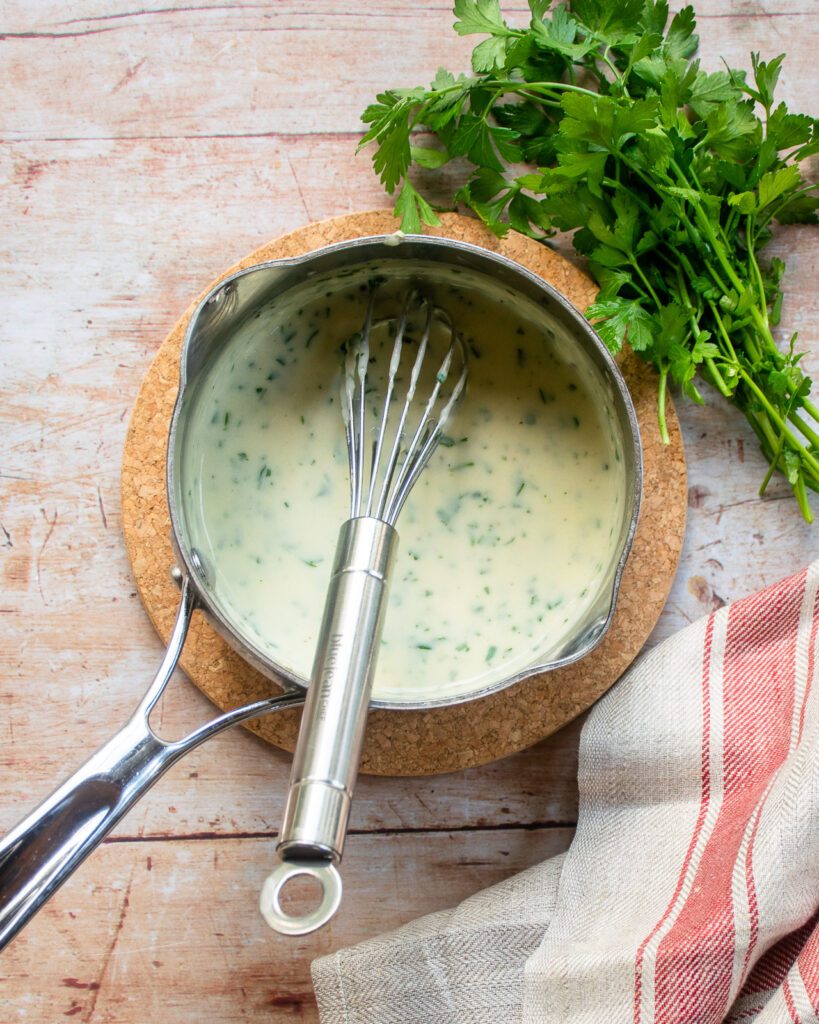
[(413, 210), (478, 17)]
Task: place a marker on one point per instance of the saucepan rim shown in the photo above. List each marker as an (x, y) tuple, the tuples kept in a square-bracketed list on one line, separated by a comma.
[(400, 247)]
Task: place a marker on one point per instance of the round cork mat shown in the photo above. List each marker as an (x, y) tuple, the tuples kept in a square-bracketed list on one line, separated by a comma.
[(443, 739)]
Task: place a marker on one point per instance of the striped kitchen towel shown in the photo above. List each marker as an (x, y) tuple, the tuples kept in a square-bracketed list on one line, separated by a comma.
[(690, 892)]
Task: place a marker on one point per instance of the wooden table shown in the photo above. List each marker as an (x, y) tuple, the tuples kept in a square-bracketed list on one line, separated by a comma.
[(143, 148)]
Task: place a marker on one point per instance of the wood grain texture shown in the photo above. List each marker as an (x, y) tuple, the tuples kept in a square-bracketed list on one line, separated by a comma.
[(158, 931), (143, 148), (262, 69)]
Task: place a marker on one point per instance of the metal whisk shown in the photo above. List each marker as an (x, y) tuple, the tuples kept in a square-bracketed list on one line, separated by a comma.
[(328, 751), (415, 454)]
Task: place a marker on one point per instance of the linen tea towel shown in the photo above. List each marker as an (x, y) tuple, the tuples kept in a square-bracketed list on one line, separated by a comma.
[(690, 894)]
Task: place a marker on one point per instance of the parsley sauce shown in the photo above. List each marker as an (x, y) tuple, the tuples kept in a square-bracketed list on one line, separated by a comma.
[(507, 539)]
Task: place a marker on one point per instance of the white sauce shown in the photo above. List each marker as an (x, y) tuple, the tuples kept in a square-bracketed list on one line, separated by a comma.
[(507, 540)]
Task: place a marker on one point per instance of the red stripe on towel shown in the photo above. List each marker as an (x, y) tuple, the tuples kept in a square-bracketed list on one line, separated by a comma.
[(705, 797), (807, 963), (772, 968), (750, 887), (753, 906), (695, 959), (786, 992)]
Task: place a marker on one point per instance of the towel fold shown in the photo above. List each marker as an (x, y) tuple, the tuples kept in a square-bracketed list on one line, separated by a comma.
[(690, 893)]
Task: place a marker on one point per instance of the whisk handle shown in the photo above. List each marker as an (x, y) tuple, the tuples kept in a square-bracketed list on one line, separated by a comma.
[(328, 751), (325, 765)]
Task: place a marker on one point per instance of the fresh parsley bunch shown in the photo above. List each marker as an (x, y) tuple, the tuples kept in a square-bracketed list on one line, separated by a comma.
[(671, 178)]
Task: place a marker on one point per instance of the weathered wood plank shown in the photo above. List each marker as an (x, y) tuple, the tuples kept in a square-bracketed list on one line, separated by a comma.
[(170, 931), (237, 783), (151, 73)]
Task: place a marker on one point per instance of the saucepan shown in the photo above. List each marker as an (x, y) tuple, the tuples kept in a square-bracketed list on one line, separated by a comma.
[(40, 853)]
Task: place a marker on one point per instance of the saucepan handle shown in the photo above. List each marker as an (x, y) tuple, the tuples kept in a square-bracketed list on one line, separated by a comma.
[(328, 751), (47, 846), (39, 854)]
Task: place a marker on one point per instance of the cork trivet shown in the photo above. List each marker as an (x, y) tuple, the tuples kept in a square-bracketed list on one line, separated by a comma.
[(443, 739)]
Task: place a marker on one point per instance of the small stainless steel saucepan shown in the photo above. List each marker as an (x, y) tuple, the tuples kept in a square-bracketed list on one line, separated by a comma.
[(39, 854)]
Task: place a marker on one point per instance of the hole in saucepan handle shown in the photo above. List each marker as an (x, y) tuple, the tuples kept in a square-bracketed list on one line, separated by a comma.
[(270, 903)]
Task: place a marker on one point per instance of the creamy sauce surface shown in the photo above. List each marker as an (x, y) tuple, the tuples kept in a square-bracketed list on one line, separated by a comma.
[(506, 539)]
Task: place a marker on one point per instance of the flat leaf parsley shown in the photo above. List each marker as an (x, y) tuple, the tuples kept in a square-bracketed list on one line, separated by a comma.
[(670, 177)]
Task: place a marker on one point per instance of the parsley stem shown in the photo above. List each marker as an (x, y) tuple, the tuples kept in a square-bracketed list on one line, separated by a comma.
[(765, 330), (764, 431), (717, 379), (776, 456), (718, 281), (753, 267), (661, 396), (804, 428), (781, 424), (604, 56), (721, 327), (719, 245), (679, 209), (733, 221), (798, 484), (802, 498), (512, 86), (776, 459), (635, 264), (554, 104)]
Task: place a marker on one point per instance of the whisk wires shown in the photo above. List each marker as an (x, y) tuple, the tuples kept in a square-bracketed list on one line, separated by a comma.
[(401, 449)]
